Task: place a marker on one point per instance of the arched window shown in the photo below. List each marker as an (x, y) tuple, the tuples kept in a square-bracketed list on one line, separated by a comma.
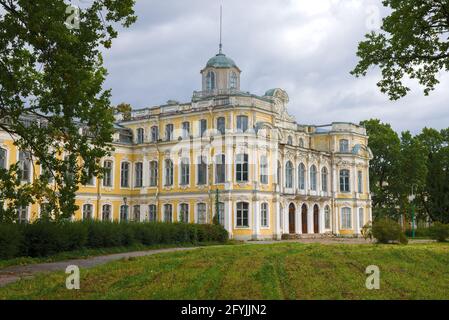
[(124, 210), (313, 178), (201, 213), (361, 218), (168, 172), (346, 218), (2, 158), (220, 168), (168, 213), (136, 213), (324, 179), (327, 217), (152, 213), (185, 129), (302, 176), (301, 142), (290, 140), (344, 145), (106, 213), (221, 213), (185, 171), (242, 214), (263, 169), (289, 175), (344, 181), (88, 211), (233, 80), (184, 212), (153, 174), (221, 125), (241, 168), (264, 221), (210, 81), (140, 135)]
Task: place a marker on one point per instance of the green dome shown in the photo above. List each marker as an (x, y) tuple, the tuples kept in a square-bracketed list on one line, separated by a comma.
[(221, 61)]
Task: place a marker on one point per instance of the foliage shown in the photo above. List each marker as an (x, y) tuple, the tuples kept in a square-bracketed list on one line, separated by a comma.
[(48, 238), (52, 100), (387, 230), (439, 231), (367, 231), (413, 44), (125, 109)]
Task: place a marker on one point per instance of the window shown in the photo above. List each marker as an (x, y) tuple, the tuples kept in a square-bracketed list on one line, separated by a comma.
[(185, 171), (202, 170), (45, 211), (210, 81), (279, 170), (263, 170), (140, 135), (220, 168), (344, 145), (324, 179), (289, 175), (360, 181), (106, 212), (154, 134), (88, 211), (242, 214), (344, 181), (327, 217), (346, 218), (168, 213), (168, 172), (152, 213), (25, 165), (290, 140), (91, 178), (136, 213), (313, 178), (169, 132), (139, 175), (361, 218), (22, 214), (301, 142), (47, 173), (242, 123), (2, 158), (184, 213), (264, 215), (302, 176), (124, 212), (221, 125), (203, 126), (233, 80), (241, 168), (153, 173), (221, 213), (186, 129), (107, 178), (202, 216), (124, 175)]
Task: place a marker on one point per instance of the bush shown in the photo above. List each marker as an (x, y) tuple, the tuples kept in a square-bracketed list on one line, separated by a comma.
[(419, 232), (439, 231), (386, 231), (10, 241)]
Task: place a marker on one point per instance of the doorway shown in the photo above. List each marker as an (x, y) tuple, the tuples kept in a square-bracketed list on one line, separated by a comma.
[(304, 218), (291, 218), (316, 216)]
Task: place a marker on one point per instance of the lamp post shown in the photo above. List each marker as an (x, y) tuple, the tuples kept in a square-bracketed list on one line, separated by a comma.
[(411, 198)]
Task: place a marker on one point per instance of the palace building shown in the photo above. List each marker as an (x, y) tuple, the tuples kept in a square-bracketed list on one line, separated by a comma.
[(228, 149)]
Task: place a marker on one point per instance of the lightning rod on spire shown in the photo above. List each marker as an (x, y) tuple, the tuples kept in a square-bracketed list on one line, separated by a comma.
[(221, 27)]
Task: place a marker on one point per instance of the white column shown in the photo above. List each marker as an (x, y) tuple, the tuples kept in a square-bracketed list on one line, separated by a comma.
[(356, 219), (277, 219), (228, 217), (256, 219), (310, 219), (299, 215)]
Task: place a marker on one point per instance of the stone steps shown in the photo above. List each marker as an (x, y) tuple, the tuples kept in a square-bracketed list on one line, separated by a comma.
[(287, 236)]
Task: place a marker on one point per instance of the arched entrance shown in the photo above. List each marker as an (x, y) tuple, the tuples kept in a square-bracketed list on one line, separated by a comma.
[(316, 219), (291, 218), (304, 218)]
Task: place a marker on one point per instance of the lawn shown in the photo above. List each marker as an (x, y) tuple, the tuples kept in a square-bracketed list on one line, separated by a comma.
[(253, 271)]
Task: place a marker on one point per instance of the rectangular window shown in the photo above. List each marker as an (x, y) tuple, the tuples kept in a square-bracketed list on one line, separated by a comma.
[(242, 123), (2, 158), (184, 213), (344, 181), (168, 172), (185, 171), (221, 125), (154, 134), (263, 170), (242, 168), (136, 213), (124, 175), (242, 214), (153, 174), (221, 213), (152, 213), (202, 171), (124, 213), (220, 168), (185, 129), (360, 181), (22, 214), (140, 135), (264, 215), (25, 165), (107, 178), (202, 216), (168, 213), (346, 222), (361, 218), (169, 132), (203, 126), (139, 175), (106, 212), (87, 212)]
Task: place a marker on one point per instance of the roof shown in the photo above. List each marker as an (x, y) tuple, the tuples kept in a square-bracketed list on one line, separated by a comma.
[(221, 61)]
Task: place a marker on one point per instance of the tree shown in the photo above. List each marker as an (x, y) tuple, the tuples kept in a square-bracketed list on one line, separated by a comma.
[(413, 44), (125, 109), (52, 100)]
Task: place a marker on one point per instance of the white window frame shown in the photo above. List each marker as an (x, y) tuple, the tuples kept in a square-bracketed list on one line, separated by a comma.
[(111, 209), (92, 212), (346, 223), (180, 212), (267, 213), (129, 175), (197, 213), (236, 226), (180, 172), (165, 206)]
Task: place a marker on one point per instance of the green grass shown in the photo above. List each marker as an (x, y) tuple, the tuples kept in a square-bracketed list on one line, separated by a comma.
[(275, 271)]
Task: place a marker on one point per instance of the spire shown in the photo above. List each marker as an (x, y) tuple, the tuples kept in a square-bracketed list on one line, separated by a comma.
[(220, 47)]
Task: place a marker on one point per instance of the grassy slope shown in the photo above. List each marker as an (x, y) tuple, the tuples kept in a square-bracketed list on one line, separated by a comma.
[(277, 271)]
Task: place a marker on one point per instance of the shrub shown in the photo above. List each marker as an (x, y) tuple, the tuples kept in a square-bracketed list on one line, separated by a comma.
[(386, 231), (439, 231), (10, 241)]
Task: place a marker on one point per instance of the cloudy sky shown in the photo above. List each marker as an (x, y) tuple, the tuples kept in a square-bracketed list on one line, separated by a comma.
[(306, 47)]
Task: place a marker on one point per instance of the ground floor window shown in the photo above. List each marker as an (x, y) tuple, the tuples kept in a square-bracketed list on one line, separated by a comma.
[(184, 212), (168, 213), (106, 212), (136, 213), (346, 218), (124, 209), (327, 217), (87, 211), (202, 216), (242, 214), (22, 214), (152, 215), (221, 213), (264, 215)]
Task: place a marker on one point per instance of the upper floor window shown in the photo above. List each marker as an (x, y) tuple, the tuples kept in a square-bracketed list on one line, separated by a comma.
[(124, 175), (344, 145), (3, 158), (346, 218), (233, 80), (25, 165), (22, 214), (202, 170), (313, 180), (324, 179), (201, 213), (263, 169), (47, 173), (168, 213), (136, 213), (301, 142), (290, 140), (203, 126), (107, 177), (220, 168), (344, 181), (106, 213), (242, 123), (241, 168), (327, 217), (185, 129), (242, 214), (153, 174), (152, 213), (140, 135), (124, 209), (221, 125), (154, 134), (169, 132), (185, 171), (139, 175), (184, 212), (210, 81), (168, 172), (264, 215), (88, 211), (360, 181), (302, 176), (289, 175)]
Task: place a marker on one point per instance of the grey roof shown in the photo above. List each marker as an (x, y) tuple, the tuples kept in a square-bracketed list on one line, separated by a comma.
[(221, 61)]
